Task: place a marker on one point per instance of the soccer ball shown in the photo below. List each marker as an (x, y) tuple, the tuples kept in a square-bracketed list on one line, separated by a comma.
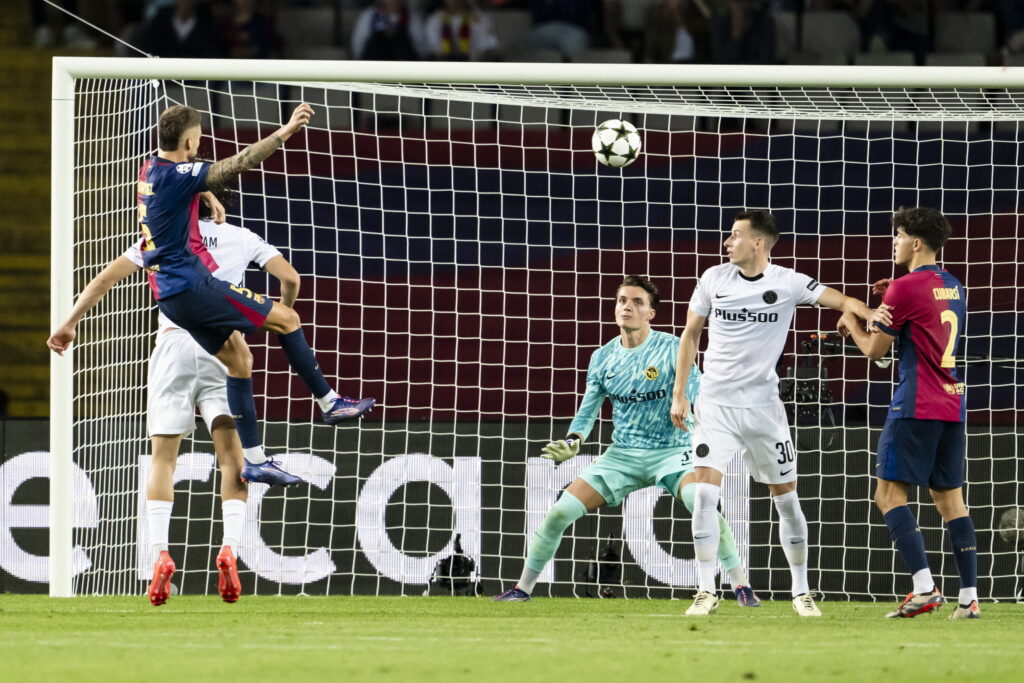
[(616, 143), (1011, 527)]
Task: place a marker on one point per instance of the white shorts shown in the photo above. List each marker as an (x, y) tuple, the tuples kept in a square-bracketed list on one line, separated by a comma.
[(761, 434), (182, 376)]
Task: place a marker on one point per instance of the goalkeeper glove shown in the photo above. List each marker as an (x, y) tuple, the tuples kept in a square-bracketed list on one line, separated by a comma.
[(560, 451)]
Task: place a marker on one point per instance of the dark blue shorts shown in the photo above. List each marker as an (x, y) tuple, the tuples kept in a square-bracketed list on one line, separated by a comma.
[(928, 453), (213, 309)]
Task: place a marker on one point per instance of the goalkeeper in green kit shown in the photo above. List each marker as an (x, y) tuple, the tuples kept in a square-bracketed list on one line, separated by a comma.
[(636, 371)]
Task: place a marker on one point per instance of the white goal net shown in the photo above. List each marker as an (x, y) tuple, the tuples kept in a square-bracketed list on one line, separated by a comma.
[(459, 247)]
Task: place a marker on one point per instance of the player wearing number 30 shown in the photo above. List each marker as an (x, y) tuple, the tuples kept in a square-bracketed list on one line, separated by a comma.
[(750, 304), (636, 370), (923, 442)]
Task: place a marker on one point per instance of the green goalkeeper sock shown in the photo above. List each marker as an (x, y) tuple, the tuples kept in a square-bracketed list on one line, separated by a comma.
[(544, 544), (728, 554)]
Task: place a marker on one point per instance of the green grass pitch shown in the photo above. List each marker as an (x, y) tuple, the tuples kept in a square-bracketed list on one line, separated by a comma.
[(475, 640)]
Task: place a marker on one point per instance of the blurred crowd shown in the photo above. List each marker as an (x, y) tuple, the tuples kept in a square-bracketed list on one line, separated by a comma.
[(646, 31)]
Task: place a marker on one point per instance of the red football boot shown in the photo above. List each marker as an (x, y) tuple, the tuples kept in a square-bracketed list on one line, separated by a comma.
[(918, 603), (228, 585), (160, 588)]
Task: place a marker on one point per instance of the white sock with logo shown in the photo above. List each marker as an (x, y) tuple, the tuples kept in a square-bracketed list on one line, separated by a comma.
[(706, 534), (793, 536)]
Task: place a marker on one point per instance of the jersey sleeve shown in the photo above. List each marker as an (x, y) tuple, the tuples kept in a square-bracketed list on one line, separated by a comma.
[(590, 406), (256, 248), (134, 253), (896, 297), (700, 302), (805, 289), (186, 180)]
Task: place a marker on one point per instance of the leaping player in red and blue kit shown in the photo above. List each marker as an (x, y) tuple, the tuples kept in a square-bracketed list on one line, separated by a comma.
[(215, 312), (923, 442)]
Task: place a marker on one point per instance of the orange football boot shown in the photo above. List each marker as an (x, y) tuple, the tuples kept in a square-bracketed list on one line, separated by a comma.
[(228, 585), (160, 588)]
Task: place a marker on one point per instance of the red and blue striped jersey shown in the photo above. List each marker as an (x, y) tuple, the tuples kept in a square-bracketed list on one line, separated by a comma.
[(168, 204), (928, 318)]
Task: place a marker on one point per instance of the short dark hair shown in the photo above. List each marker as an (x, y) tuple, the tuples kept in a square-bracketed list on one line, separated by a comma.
[(761, 222), (920, 221), (173, 124), (644, 284)]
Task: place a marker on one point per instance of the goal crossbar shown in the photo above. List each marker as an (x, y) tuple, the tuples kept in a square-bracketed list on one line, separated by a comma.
[(732, 75)]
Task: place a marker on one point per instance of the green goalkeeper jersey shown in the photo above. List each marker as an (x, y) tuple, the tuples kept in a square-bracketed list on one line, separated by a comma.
[(639, 383)]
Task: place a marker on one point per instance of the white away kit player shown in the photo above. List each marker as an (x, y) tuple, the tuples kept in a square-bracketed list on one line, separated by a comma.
[(184, 377), (749, 303)]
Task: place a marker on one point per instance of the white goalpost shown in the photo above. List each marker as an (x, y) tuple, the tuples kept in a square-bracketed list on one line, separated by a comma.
[(459, 247)]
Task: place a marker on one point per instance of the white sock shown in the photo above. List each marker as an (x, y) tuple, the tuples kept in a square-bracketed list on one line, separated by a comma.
[(738, 577), (325, 402), (706, 534), (158, 519), (528, 581), (793, 536), (254, 455), (233, 512), (923, 581), (968, 595)]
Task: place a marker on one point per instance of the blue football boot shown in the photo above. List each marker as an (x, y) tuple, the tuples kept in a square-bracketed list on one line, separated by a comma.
[(269, 472), (345, 408), (513, 594), (746, 597)]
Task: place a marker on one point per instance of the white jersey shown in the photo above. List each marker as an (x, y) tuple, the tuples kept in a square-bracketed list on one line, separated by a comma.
[(748, 321), (233, 248)]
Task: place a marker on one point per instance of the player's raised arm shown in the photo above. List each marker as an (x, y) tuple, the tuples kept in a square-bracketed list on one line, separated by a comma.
[(116, 270), (226, 170), (687, 355), (287, 276)]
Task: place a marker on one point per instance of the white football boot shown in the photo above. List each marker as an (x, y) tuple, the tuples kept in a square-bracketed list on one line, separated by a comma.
[(805, 607), (704, 604)]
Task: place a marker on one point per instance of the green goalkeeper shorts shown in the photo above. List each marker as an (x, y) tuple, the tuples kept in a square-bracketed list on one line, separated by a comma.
[(620, 471)]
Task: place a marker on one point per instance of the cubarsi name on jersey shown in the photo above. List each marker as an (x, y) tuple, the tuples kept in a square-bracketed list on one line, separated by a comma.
[(746, 316)]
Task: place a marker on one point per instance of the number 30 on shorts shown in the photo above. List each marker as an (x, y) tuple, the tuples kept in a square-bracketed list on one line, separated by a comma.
[(785, 449)]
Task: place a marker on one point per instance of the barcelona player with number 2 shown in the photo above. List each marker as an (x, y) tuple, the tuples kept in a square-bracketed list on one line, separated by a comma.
[(923, 442)]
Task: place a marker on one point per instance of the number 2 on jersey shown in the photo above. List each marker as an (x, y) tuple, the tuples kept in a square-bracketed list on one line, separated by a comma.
[(947, 316)]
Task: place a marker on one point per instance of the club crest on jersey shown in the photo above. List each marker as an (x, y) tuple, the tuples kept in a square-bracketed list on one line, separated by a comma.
[(703, 450), (651, 373), (770, 297)]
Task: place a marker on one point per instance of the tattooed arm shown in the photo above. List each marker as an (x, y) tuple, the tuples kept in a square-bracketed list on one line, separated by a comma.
[(226, 170)]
